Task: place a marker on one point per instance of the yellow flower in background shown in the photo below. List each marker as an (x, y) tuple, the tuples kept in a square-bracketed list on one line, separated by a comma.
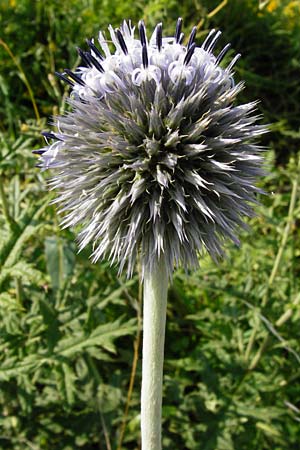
[(290, 11), (272, 5)]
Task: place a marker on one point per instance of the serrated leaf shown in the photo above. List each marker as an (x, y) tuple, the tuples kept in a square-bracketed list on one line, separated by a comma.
[(23, 270), (103, 336), (28, 226)]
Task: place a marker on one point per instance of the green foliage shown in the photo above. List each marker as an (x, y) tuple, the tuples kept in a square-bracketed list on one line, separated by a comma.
[(68, 329), (267, 34)]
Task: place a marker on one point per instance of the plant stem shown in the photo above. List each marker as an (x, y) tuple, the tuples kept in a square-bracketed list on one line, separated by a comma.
[(136, 347), (154, 323), (267, 340), (98, 382), (275, 268), (11, 222), (23, 78)]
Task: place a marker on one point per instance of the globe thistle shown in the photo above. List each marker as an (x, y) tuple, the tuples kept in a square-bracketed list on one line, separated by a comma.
[(154, 160), (154, 157)]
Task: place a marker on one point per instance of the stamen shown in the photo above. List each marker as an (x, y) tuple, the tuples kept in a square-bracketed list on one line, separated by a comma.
[(75, 77), (178, 30), (94, 62), (192, 37), (214, 41), (222, 53), (233, 62), (95, 49), (121, 41), (181, 37), (83, 57), (189, 54), (142, 31), (49, 135), (145, 56), (65, 79), (38, 152), (159, 36), (208, 38)]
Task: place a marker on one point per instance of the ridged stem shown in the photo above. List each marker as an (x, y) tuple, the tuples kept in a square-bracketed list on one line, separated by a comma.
[(154, 323)]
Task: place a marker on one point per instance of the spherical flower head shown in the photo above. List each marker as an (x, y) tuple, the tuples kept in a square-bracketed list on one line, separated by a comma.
[(154, 158)]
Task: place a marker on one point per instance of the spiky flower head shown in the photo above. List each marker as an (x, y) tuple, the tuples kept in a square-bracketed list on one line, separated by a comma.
[(154, 156)]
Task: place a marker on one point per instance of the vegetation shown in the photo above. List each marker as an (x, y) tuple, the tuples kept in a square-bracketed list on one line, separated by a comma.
[(70, 331)]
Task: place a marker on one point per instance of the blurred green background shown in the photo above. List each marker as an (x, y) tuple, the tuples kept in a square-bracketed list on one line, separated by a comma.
[(70, 331)]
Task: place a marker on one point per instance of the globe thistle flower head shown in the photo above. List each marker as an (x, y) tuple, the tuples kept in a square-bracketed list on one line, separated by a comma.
[(154, 157)]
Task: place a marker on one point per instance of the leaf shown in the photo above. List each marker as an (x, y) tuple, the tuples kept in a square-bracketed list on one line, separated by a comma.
[(268, 429), (102, 336), (28, 226), (265, 414), (69, 382), (109, 397), (12, 369), (60, 260), (23, 270)]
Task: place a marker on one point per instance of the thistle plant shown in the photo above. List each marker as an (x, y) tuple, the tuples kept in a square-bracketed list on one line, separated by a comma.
[(155, 162)]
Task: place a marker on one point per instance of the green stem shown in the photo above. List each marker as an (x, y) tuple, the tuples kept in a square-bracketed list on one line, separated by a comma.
[(275, 268), (19, 290), (4, 203), (267, 340), (23, 78), (98, 382), (154, 323), (9, 219), (136, 347)]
